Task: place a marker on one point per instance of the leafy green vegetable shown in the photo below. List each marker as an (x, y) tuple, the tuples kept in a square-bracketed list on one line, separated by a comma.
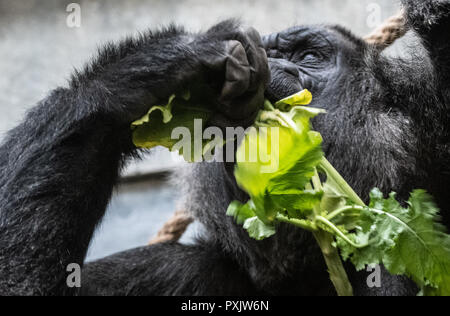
[(298, 204), (241, 212), (165, 110), (408, 241), (245, 214), (278, 166), (298, 152), (257, 229), (302, 98), (156, 127)]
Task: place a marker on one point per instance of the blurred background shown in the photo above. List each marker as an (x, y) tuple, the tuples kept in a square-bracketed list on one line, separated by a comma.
[(42, 41)]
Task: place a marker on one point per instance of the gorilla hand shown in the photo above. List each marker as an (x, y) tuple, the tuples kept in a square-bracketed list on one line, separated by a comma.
[(226, 65), (240, 63)]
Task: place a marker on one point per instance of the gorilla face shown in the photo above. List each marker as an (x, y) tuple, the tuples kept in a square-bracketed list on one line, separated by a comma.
[(315, 58), (343, 74), (335, 66), (332, 63)]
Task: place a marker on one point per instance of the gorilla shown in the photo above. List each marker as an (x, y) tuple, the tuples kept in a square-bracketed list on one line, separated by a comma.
[(387, 126)]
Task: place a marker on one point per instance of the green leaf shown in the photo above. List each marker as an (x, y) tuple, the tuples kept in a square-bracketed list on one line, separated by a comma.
[(166, 111), (299, 200), (422, 249), (245, 214), (275, 164), (408, 241), (289, 164), (334, 197), (298, 204), (156, 127), (257, 229), (301, 98), (253, 169), (298, 161), (241, 212)]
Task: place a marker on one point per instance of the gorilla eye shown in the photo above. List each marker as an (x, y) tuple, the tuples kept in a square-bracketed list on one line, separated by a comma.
[(310, 57)]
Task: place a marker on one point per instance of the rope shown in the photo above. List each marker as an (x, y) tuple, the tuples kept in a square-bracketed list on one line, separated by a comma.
[(174, 228), (382, 37), (387, 33)]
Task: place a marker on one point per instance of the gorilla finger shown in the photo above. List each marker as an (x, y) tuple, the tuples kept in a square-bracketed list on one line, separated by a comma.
[(237, 72), (260, 73), (245, 108), (254, 36), (258, 60), (223, 121)]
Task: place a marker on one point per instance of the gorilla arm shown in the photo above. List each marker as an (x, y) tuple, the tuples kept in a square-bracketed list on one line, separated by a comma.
[(59, 166)]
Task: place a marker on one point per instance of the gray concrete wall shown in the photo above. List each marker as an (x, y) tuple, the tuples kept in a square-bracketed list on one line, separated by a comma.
[(38, 52)]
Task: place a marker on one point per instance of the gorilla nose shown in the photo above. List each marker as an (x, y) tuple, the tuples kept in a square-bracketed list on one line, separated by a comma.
[(285, 79), (290, 68), (285, 66)]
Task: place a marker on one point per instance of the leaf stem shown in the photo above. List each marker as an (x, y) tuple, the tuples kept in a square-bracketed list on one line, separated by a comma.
[(343, 210), (316, 181), (332, 172), (309, 226), (287, 120), (336, 269), (268, 106), (338, 232)]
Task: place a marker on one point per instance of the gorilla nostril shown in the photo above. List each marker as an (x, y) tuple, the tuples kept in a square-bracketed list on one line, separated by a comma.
[(288, 67), (292, 70), (285, 66)]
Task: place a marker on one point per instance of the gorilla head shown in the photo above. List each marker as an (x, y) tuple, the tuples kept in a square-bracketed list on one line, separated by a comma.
[(369, 128), (317, 58)]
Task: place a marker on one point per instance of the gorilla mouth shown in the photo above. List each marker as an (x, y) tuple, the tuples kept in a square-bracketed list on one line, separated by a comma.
[(285, 80), (280, 91)]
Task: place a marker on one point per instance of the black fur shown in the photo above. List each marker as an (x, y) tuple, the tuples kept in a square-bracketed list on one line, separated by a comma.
[(386, 127)]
